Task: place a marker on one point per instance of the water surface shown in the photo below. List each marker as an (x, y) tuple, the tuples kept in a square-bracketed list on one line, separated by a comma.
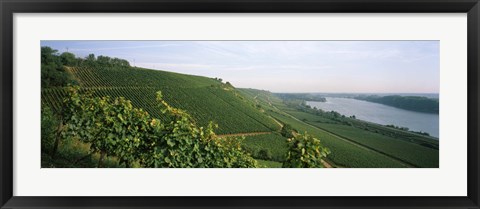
[(381, 114)]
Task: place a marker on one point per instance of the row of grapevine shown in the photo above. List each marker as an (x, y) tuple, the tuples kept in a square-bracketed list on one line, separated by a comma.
[(195, 94), (271, 147), (343, 153), (230, 98), (53, 97), (201, 103), (412, 153), (205, 105), (113, 127), (111, 76)]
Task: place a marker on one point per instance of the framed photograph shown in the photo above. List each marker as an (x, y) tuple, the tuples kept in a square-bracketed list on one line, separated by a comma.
[(240, 104)]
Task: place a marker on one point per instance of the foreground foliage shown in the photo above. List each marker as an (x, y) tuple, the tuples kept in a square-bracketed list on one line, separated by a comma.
[(305, 151), (205, 99), (114, 127), (118, 120)]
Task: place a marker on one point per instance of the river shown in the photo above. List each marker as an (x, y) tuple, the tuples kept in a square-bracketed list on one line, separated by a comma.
[(381, 114)]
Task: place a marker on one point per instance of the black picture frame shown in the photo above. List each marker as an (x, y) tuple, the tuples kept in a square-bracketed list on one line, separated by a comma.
[(9, 7)]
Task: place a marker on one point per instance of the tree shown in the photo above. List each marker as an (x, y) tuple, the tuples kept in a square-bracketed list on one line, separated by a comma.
[(48, 55), (68, 59), (52, 70), (287, 131), (91, 57), (120, 62), (104, 61)]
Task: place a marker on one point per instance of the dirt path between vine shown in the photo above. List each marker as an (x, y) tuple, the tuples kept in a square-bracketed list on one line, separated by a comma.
[(276, 121), (327, 165), (245, 134)]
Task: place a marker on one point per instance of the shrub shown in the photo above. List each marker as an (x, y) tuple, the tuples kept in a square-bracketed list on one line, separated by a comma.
[(265, 154), (187, 146), (49, 124), (305, 151), (287, 131)]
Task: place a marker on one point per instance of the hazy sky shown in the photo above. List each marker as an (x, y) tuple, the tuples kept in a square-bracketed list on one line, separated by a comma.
[(285, 66)]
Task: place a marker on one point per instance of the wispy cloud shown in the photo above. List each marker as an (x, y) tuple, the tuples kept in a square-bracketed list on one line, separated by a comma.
[(303, 66), (160, 65), (123, 47), (230, 68)]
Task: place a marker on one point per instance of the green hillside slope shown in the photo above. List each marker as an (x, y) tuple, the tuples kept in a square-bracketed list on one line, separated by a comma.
[(354, 143), (239, 111), (206, 99)]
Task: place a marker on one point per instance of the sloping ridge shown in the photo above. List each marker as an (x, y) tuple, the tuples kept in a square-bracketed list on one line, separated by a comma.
[(206, 99)]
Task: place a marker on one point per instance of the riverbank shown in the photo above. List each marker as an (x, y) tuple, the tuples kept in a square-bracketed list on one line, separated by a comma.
[(381, 114)]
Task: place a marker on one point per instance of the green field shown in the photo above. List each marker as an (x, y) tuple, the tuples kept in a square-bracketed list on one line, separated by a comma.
[(344, 153), (273, 145), (204, 98), (414, 154), (255, 114), (269, 164), (354, 146)]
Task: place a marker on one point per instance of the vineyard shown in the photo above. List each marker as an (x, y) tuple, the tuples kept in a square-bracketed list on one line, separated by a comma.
[(419, 156), (343, 153), (272, 147), (353, 143), (265, 131), (204, 98)]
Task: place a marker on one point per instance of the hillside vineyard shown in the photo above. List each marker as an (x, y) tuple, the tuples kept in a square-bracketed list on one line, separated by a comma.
[(260, 128), (236, 112)]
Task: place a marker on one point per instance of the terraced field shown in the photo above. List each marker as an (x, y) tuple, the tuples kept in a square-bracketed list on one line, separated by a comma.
[(274, 144), (206, 99), (343, 152), (419, 156), (240, 111), (354, 146)]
